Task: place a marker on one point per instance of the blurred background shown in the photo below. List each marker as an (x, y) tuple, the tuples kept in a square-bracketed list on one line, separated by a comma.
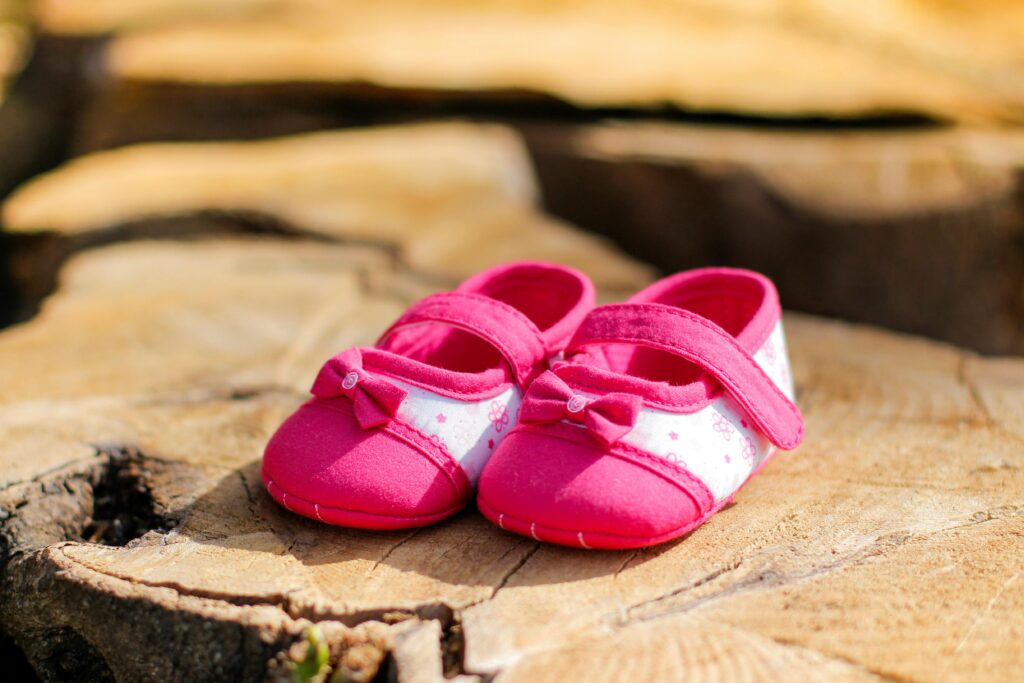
[(866, 154)]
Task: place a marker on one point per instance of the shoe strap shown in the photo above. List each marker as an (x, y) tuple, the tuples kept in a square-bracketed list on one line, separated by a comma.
[(504, 327), (702, 342)]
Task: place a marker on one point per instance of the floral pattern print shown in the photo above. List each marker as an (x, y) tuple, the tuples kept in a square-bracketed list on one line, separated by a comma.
[(498, 415), (719, 444), (721, 425)]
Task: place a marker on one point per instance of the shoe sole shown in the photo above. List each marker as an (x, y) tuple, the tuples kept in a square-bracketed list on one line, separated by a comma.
[(600, 540), (356, 519)]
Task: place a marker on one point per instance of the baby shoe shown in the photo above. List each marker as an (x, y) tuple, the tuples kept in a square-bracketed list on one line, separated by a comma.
[(663, 409), (396, 434)]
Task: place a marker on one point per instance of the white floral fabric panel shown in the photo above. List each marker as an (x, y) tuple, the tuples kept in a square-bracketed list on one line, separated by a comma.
[(468, 430), (773, 357), (718, 444)]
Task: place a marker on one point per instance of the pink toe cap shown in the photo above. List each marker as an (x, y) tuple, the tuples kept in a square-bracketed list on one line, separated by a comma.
[(321, 464), (576, 493)]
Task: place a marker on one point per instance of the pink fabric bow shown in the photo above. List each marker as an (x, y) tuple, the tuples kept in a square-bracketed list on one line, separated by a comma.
[(375, 401), (608, 418)]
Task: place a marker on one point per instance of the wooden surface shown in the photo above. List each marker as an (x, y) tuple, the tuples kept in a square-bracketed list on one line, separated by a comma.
[(920, 230), (444, 200), (136, 404), (797, 58), (915, 227), (15, 42), (448, 199)]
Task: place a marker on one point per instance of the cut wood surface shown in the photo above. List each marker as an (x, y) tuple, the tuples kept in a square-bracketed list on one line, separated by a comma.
[(136, 404), (794, 58), (920, 230), (448, 198), (15, 41), (917, 228)]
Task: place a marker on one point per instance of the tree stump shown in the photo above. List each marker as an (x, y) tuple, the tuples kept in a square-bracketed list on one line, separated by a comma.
[(867, 156), (33, 95), (136, 541), (444, 200), (789, 58), (920, 230)]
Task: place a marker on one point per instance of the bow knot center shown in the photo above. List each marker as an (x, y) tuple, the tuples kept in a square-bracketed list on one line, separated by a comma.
[(576, 403), (350, 380)]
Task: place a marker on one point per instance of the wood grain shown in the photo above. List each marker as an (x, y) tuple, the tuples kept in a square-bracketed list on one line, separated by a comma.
[(15, 42), (450, 199), (885, 548), (916, 229), (859, 205), (767, 58)]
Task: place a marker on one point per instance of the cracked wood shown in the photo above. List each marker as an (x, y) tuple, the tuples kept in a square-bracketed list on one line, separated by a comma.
[(885, 548)]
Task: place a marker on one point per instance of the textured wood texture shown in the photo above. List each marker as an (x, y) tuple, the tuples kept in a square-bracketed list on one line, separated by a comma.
[(28, 134), (444, 200), (135, 406), (14, 41), (449, 198), (920, 230), (914, 227), (940, 59)]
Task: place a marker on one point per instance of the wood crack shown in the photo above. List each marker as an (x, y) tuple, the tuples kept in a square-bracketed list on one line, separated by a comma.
[(770, 578), (243, 317), (707, 578), (632, 556), (986, 611), (87, 462), (281, 601), (832, 657), (978, 400), (972, 390), (387, 553), (508, 575)]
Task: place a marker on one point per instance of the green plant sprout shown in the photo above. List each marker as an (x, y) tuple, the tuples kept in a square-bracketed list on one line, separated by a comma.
[(315, 660)]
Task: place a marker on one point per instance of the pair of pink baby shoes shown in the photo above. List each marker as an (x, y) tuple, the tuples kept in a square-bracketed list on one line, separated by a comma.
[(618, 426)]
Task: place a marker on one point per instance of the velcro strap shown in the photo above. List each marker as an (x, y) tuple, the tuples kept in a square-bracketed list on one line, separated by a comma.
[(504, 327), (702, 342)]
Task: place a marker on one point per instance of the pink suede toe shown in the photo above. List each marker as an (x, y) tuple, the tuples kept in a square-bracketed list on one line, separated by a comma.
[(575, 492), (321, 464)]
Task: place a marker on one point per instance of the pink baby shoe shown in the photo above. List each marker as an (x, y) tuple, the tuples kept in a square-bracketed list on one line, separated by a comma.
[(665, 407), (397, 434)]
